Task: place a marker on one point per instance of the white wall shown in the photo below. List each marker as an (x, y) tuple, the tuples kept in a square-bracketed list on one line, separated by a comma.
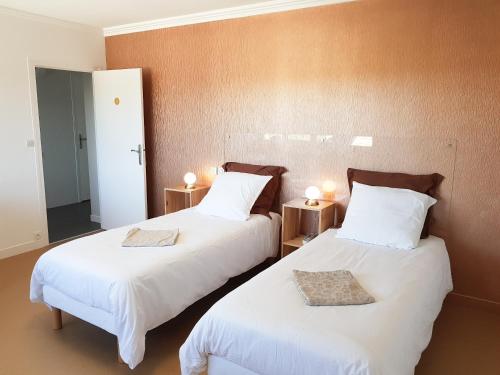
[(50, 43)]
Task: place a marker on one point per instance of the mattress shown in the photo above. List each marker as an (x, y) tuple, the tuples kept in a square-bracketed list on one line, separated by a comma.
[(265, 327), (128, 291), (98, 317)]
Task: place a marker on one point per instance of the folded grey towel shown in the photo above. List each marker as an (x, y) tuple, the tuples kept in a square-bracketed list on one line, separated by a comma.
[(137, 237), (331, 288)]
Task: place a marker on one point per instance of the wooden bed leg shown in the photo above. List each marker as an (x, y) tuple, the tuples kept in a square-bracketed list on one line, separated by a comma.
[(56, 319), (120, 360)]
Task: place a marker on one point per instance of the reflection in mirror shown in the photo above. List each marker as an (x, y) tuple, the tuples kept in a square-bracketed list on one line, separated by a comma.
[(324, 138), (299, 137), (329, 188), (216, 170), (362, 141), (272, 136), (313, 162)]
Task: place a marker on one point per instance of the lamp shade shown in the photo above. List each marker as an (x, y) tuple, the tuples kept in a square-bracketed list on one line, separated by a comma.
[(329, 186), (312, 192), (189, 180)]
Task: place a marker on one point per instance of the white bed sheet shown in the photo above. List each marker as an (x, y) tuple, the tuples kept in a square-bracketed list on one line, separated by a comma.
[(264, 325), (221, 366), (142, 288)]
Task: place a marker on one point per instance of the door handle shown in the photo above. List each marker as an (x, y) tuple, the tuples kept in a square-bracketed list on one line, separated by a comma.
[(81, 139), (139, 153)]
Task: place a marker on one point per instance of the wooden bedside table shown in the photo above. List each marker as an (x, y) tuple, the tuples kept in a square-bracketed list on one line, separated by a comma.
[(300, 220), (179, 198)]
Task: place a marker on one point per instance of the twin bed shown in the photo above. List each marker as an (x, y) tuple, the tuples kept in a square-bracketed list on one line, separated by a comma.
[(262, 327), (128, 291)]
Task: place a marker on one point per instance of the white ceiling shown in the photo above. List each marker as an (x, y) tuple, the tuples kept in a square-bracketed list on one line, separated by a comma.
[(106, 13)]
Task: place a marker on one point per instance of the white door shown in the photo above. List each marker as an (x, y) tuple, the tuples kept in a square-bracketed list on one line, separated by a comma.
[(119, 132)]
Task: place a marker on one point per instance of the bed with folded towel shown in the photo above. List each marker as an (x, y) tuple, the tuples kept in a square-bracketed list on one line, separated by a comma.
[(266, 326), (137, 237), (128, 290)]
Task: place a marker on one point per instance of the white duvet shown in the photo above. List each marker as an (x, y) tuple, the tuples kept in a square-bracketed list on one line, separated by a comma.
[(144, 287), (265, 326)]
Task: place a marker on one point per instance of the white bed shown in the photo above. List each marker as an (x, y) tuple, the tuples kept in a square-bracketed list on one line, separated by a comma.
[(129, 291), (264, 326)]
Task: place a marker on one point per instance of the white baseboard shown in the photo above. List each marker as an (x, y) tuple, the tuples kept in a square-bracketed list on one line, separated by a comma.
[(21, 248), (95, 219)]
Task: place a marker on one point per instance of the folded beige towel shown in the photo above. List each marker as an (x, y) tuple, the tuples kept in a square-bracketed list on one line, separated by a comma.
[(137, 237), (331, 288)]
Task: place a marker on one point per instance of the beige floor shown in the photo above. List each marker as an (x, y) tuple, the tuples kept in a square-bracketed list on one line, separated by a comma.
[(465, 340)]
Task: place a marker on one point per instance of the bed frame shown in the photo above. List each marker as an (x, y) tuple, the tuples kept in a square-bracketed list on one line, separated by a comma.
[(66, 303), (57, 325)]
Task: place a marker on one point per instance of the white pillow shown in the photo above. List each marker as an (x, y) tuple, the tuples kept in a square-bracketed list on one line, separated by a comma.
[(232, 195), (385, 216)]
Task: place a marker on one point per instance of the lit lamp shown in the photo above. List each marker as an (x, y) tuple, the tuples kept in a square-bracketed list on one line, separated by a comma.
[(329, 190), (312, 195), (190, 180)]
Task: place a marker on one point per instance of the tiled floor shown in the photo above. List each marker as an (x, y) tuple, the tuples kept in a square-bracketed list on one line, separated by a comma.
[(70, 221)]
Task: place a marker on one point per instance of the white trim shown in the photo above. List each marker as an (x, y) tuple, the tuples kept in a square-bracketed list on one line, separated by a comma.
[(21, 248), (95, 219), (26, 247), (217, 15), (32, 64), (35, 121), (48, 20)]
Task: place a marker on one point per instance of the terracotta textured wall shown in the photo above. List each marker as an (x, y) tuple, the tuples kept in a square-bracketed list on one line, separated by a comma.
[(427, 69)]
